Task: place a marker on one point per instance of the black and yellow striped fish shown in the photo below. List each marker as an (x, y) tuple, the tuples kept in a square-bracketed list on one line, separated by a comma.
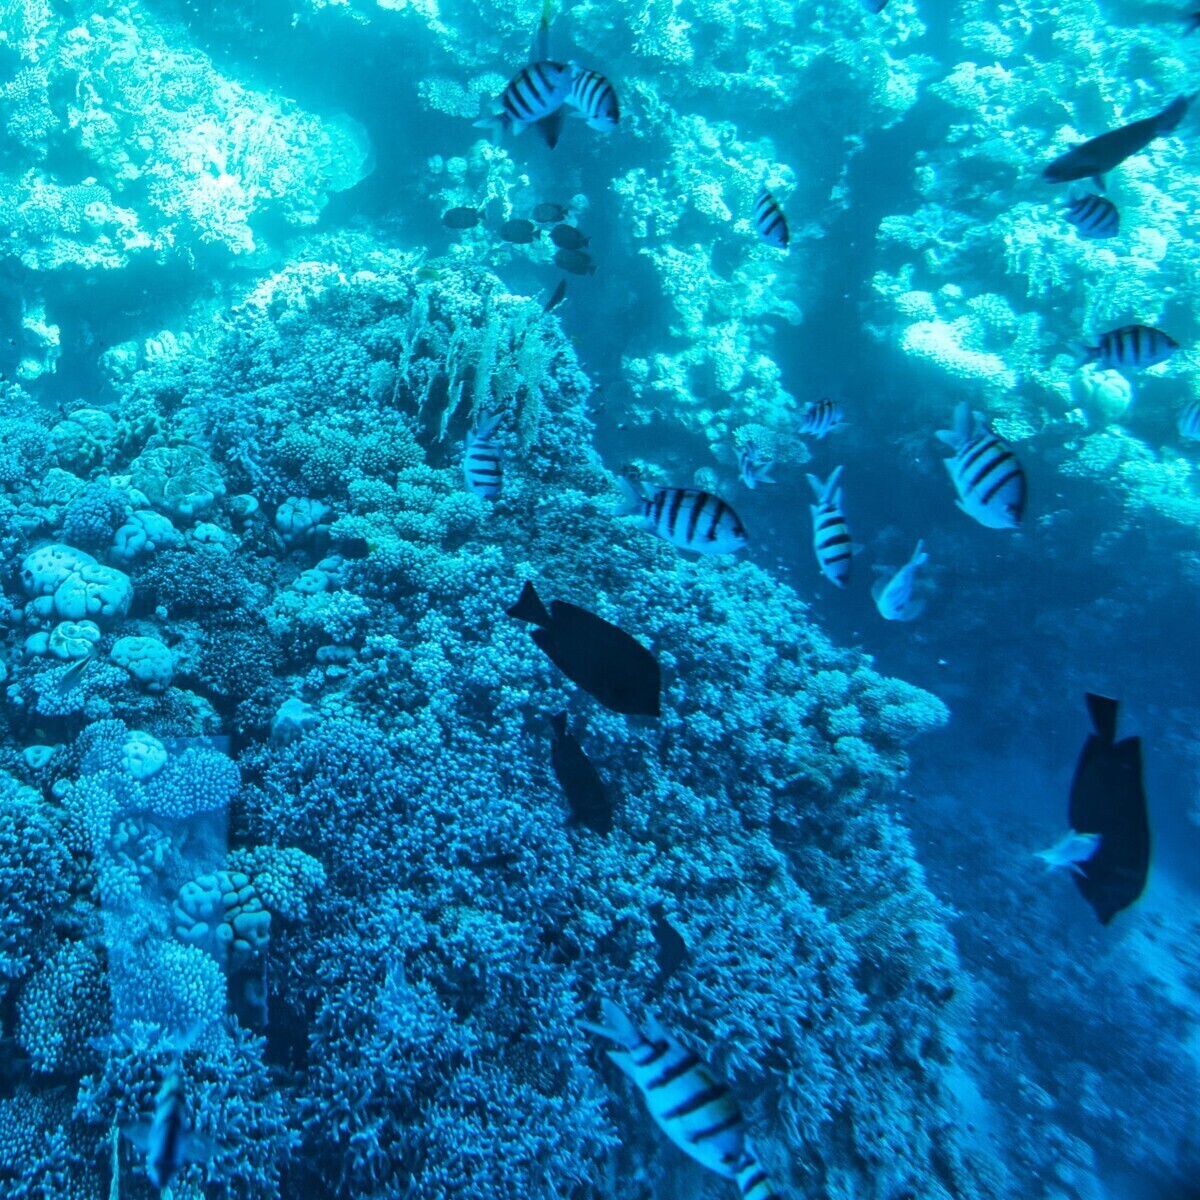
[(687, 1101), (482, 461), (769, 222)]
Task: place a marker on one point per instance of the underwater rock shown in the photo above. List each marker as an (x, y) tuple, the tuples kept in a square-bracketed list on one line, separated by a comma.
[(146, 659), (143, 755), (299, 519), (83, 439), (71, 640), (143, 533), (181, 481)]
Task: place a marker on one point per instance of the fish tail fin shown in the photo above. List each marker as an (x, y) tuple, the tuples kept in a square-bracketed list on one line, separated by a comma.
[(530, 608), (632, 500), (1103, 712), (920, 557), (825, 491), (1083, 354), (138, 1134), (559, 724), (485, 426), (1168, 120), (617, 1027), (497, 125), (962, 427)]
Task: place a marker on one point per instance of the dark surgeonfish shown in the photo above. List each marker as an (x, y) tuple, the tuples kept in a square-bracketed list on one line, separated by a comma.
[(578, 262), (556, 297), (671, 951), (590, 802), (1095, 158), (1108, 798), (519, 231), (547, 214), (614, 668), (462, 217), (567, 237)]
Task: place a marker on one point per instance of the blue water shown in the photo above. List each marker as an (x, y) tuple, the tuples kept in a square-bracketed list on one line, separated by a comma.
[(293, 896)]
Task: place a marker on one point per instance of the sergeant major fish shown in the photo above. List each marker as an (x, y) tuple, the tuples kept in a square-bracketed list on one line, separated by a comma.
[(769, 222), (753, 470), (1095, 158), (685, 517), (821, 418), (1131, 346), (535, 93), (1093, 216), (1188, 422), (989, 480), (595, 99), (752, 1179), (894, 597), (831, 537), (482, 459), (688, 1103), (166, 1139)]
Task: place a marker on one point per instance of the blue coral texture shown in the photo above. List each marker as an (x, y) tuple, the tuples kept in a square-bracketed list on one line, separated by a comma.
[(297, 886)]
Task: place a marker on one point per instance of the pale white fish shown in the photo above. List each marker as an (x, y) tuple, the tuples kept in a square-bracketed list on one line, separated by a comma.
[(1070, 850), (894, 597)]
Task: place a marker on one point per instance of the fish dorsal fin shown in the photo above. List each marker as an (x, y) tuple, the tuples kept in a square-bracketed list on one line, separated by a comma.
[(530, 608), (1103, 712), (539, 51), (138, 1134)]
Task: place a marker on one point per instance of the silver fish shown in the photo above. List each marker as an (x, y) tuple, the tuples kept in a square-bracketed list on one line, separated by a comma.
[(1070, 850), (482, 460), (831, 537), (986, 474), (685, 517), (894, 596)]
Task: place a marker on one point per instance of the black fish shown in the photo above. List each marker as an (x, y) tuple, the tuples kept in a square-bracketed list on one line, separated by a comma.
[(568, 237), (1109, 798), (519, 230), (672, 949), (575, 261), (547, 214), (1095, 158), (874, 6), (462, 218), (603, 660), (556, 297), (581, 782)]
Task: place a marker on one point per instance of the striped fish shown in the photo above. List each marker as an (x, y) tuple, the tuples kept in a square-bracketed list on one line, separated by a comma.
[(986, 474), (167, 1140), (1188, 423), (595, 99), (482, 460), (769, 222), (752, 1179), (1093, 216), (821, 417), (536, 92), (696, 1111), (831, 538), (1132, 346), (753, 470), (685, 517)]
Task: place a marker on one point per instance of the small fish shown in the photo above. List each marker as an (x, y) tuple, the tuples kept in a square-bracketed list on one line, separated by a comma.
[(752, 1179), (461, 218), (751, 469), (874, 6), (1108, 798), (548, 214), (536, 92), (430, 274), (567, 237), (769, 222), (821, 418), (1093, 216), (556, 297), (831, 537), (519, 231), (1070, 850), (685, 517), (894, 597), (166, 1140), (575, 261), (687, 1101), (672, 950), (73, 675), (614, 668), (986, 474), (482, 459), (1095, 158), (594, 98), (1133, 347), (580, 781), (1188, 423)]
